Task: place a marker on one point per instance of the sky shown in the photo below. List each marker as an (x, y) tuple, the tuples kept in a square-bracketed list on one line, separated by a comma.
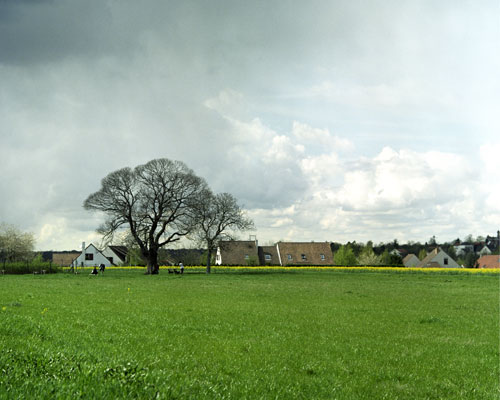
[(327, 120)]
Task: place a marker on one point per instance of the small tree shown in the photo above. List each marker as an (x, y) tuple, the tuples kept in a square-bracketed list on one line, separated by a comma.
[(470, 260), (15, 245), (217, 217), (422, 254), (345, 256), (368, 256), (387, 258)]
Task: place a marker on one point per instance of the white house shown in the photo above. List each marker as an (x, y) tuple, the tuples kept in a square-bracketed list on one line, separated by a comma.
[(485, 251), (462, 249), (411, 260), (89, 257), (437, 258)]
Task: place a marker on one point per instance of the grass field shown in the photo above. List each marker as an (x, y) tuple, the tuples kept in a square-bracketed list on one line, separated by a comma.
[(302, 335)]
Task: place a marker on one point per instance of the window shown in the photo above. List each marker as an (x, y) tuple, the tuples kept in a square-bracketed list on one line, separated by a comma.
[(322, 256), (246, 257), (303, 257), (267, 257), (110, 259), (445, 261), (289, 256), (89, 256)]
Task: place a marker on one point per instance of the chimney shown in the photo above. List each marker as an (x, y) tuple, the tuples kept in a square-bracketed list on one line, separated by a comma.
[(253, 238), (83, 247)]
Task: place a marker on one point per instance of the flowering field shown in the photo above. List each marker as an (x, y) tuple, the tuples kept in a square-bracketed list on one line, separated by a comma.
[(300, 335), (229, 269)]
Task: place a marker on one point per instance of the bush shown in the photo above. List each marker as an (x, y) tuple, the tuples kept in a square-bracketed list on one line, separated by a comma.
[(29, 267)]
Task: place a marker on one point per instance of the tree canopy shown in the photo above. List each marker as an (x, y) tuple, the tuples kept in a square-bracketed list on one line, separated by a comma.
[(15, 245), (155, 201), (218, 216), (345, 256)]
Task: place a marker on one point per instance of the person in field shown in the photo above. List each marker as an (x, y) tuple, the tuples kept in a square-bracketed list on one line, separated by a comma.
[(181, 265), (94, 271)]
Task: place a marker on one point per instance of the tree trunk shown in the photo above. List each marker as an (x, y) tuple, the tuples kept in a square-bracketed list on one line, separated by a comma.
[(152, 256), (209, 258)]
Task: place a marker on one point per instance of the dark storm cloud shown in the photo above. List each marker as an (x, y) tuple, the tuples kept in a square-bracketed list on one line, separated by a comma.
[(45, 31), (88, 87)]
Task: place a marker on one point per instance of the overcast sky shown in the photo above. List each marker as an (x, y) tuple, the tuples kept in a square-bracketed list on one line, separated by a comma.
[(328, 120)]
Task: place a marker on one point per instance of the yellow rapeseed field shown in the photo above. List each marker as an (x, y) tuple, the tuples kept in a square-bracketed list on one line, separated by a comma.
[(320, 268)]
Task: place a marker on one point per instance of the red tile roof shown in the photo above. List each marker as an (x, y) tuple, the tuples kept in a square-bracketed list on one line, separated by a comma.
[(489, 262)]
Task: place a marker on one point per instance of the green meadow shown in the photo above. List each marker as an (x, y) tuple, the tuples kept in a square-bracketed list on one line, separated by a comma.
[(302, 335)]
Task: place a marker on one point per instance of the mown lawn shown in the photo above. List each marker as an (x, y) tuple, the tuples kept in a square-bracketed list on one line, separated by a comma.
[(303, 335)]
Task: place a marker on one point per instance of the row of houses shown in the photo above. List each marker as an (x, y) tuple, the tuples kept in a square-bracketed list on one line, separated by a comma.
[(248, 252), (486, 247)]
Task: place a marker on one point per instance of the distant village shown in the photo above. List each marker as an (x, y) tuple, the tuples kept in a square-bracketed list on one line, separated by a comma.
[(483, 252)]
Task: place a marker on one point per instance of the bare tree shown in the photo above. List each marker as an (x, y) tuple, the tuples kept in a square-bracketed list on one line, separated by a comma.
[(155, 201), (218, 216)]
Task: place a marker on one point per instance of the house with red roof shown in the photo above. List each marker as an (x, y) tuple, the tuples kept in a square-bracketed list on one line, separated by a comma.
[(490, 261)]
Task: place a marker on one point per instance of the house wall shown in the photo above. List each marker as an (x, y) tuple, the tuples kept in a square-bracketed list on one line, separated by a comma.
[(218, 257), (97, 258), (439, 259)]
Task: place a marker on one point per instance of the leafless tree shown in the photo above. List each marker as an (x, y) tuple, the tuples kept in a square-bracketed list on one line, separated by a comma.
[(218, 216), (155, 201)]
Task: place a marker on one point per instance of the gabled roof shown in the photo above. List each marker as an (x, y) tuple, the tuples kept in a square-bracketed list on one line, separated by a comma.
[(428, 258), (411, 260), (492, 261), (269, 251), (235, 252), (312, 252), (430, 261), (82, 254), (120, 251)]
